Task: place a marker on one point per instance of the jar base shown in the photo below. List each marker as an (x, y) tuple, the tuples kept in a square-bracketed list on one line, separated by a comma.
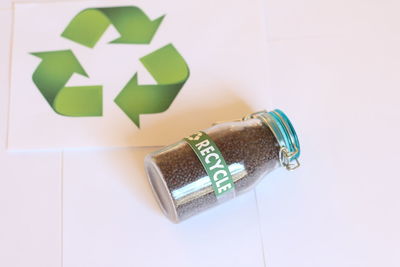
[(160, 189)]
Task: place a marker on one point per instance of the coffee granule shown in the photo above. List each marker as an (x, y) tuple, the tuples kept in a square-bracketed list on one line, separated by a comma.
[(249, 150)]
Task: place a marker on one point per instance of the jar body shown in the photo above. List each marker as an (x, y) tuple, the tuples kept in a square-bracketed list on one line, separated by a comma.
[(180, 182)]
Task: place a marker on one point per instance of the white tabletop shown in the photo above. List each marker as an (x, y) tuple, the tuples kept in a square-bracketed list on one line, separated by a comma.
[(333, 67)]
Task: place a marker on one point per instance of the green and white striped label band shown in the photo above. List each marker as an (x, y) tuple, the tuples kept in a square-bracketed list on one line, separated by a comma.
[(213, 162)]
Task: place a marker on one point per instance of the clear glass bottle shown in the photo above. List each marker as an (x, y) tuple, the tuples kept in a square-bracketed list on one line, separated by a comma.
[(221, 162)]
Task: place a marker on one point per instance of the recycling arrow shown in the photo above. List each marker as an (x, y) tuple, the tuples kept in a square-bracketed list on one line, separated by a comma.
[(51, 76), (170, 71), (131, 22), (166, 65)]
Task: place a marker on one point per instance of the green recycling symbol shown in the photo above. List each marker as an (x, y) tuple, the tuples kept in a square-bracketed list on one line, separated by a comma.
[(166, 66)]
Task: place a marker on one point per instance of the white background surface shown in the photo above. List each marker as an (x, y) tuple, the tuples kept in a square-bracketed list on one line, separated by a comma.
[(334, 67)]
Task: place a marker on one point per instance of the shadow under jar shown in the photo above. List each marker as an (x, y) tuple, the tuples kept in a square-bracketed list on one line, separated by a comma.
[(221, 162)]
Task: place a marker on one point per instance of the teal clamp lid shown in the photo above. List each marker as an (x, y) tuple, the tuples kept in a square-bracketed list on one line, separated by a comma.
[(290, 135), (285, 135)]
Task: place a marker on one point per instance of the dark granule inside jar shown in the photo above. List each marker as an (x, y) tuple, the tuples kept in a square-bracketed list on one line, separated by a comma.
[(253, 147)]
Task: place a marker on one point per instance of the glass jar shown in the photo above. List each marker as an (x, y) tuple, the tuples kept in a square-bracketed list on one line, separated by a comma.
[(221, 162)]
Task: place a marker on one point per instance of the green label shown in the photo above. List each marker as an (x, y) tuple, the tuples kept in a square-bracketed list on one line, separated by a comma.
[(212, 161)]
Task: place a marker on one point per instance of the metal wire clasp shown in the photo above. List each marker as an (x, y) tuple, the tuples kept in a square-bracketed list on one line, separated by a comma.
[(247, 117), (253, 115), (285, 158)]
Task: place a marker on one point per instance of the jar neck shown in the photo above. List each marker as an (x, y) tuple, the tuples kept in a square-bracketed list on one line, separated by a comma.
[(285, 135)]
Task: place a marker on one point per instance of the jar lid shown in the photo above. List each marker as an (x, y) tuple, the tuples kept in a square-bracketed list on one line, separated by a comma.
[(289, 134), (285, 135)]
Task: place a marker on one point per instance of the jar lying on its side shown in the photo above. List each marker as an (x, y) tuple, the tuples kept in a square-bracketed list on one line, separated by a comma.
[(221, 162)]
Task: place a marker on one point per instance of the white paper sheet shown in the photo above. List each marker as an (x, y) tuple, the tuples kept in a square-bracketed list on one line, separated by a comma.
[(112, 218), (340, 208), (5, 38), (30, 189), (309, 19), (30, 195), (223, 43)]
